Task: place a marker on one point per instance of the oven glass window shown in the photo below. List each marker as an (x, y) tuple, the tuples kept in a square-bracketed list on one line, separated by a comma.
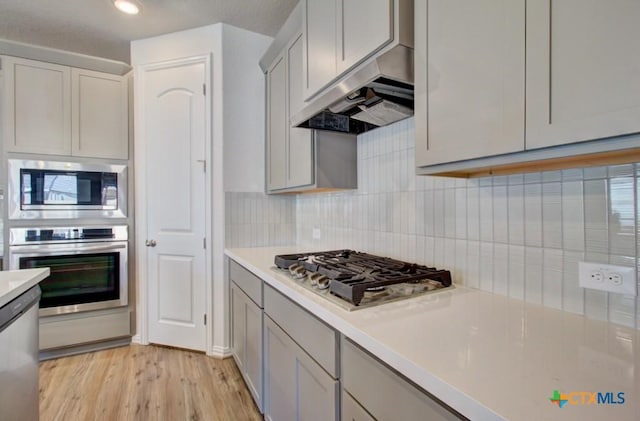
[(77, 278)]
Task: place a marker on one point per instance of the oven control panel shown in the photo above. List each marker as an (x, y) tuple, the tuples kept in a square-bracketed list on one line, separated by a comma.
[(35, 235)]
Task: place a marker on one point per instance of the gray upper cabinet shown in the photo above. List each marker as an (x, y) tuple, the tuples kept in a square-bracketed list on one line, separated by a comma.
[(364, 26), (300, 159), (583, 70), (340, 34), (320, 40), (289, 149), (470, 64), (300, 140), (508, 87), (58, 110), (277, 159)]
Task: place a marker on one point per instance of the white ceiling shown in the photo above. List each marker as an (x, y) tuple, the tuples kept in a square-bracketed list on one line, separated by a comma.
[(95, 27)]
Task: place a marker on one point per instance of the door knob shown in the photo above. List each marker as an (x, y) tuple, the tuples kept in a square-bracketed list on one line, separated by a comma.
[(150, 243)]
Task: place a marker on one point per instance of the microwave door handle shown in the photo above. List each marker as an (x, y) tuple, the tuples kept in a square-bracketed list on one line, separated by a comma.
[(45, 252)]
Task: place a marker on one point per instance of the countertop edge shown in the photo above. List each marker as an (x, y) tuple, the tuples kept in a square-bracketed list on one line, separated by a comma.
[(37, 275), (461, 402)]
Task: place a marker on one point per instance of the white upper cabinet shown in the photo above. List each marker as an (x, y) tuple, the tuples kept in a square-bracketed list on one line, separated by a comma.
[(470, 64), (58, 110), (100, 115), (37, 106), (583, 70), (363, 27)]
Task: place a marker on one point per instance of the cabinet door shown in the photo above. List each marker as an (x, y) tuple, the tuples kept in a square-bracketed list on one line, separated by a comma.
[(246, 340), (277, 126), (100, 115), (469, 59), (238, 323), (300, 140), (253, 349), (296, 387), (37, 107), (364, 27), (320, 35), (583, 78)]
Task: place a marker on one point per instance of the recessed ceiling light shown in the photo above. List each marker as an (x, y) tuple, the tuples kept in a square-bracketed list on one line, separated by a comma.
[(127, 6)]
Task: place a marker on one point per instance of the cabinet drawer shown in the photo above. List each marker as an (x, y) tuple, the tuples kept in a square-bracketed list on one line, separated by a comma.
[(352, 411), (316, 338), (247, 281), (384, 393)]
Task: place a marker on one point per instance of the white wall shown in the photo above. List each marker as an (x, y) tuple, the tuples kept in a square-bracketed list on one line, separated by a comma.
[(244, 110)]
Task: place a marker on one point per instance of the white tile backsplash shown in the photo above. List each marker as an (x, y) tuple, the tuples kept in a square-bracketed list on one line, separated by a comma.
[(256, 220), (520, 235)]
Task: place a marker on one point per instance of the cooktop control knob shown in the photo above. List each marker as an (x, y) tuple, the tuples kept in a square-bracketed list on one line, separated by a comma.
[(297, 271)]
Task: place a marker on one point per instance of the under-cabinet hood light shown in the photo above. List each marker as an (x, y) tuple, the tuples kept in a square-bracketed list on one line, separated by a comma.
[(127, 6)]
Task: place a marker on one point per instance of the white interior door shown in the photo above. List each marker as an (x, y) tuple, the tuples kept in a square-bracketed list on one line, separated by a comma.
[(175, 132)]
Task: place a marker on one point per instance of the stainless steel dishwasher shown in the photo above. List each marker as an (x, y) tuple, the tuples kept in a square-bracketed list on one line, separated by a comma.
[(19, 386)]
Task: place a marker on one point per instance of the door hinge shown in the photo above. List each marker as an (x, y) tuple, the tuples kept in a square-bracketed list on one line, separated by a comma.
[(204, 89), (204, 243), (205, 319)]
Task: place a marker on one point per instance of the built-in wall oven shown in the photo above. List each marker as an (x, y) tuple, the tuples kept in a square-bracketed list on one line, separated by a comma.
[(66, 190), (88, 265)]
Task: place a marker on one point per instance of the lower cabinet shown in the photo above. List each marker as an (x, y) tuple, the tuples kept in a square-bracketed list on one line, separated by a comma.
[(246, 340), (374, 391), (296, 387)]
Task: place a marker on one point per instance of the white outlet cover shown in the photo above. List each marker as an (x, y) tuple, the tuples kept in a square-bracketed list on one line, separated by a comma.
[(619, 279), (316, 233)]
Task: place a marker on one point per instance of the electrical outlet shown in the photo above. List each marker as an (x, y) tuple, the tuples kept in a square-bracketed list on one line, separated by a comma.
[(620, 279), (316, 233)]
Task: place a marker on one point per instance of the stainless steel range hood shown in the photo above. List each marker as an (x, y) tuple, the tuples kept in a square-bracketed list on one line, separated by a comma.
[(374, 94)]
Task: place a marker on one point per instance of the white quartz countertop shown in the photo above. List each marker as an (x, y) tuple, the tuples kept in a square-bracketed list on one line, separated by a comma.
[(15, 282), (487, 356)]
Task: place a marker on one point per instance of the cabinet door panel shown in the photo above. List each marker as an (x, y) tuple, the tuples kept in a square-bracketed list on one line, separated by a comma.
[(320, 43), (253, 349), (317, 391), (37, 107), (359, 35), (296, 387), (583, 78), (469, 79), (278, 123), (280, 377), (100, 119), (300, 140), (237, 326)]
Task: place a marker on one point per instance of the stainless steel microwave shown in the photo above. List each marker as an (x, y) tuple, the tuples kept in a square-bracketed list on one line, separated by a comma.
[(69, 190)]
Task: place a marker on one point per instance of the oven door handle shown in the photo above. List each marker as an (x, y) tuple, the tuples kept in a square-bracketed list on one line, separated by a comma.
[(44, 252)]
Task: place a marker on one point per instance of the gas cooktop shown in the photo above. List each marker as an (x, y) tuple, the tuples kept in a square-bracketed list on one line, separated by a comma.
[(356, 280)]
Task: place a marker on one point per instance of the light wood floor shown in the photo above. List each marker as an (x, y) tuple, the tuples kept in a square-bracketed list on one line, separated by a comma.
[(143, 383)]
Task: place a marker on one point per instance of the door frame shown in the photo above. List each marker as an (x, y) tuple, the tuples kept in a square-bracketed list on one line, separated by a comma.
[(140, 182)]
